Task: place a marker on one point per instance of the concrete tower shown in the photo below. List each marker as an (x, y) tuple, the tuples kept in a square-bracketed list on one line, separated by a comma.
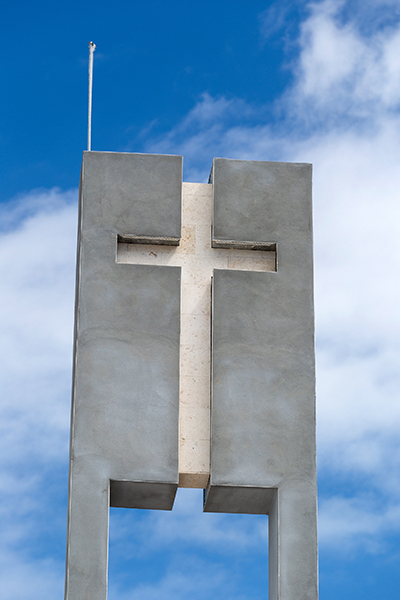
[(194, 355)]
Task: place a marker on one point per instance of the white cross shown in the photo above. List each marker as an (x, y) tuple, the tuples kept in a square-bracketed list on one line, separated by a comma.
[(197, 260)]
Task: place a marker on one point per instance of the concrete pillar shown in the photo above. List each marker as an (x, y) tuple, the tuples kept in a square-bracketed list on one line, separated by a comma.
[(263, 373), (124, 430)]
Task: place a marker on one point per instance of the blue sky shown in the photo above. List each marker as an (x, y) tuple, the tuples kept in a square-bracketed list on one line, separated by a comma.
[(316, 82)]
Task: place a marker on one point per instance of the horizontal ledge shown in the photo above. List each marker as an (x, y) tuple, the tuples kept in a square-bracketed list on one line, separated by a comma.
[(150, 495), (148, 239), (247, 499), (234, 244)]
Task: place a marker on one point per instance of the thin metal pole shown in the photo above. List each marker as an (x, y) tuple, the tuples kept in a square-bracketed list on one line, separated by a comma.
[(92, 48)]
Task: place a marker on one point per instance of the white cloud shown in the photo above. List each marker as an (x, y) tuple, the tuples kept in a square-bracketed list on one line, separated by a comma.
[(274, 19), (357, 239), (37, 270), (357, 257), (343, 73), (351, 524), (36, 313)]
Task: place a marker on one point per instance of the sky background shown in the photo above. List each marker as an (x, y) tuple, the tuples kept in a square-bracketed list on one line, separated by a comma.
[(298, 81)]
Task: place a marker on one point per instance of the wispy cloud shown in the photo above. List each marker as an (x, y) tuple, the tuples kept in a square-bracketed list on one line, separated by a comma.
[(344, 74), (349, 525), (37, 279), (37, 256)]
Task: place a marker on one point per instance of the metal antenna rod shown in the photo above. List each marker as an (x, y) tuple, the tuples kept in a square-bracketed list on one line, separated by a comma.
[(92, 48)]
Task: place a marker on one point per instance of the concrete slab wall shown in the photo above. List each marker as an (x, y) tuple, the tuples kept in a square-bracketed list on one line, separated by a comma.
[(126, 376), (263, 373)]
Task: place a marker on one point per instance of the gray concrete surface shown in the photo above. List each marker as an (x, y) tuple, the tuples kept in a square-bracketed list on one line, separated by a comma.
[(124, 433), (126, 358), (263, 381)]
